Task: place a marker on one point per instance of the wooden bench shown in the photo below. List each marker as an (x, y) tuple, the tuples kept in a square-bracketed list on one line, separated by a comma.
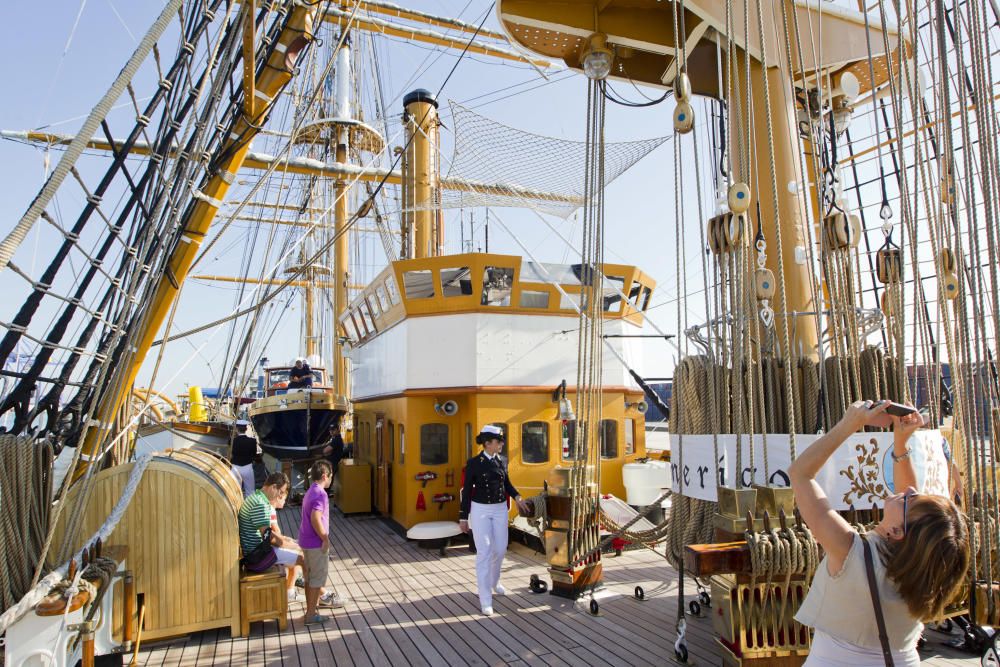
[(263, 597)]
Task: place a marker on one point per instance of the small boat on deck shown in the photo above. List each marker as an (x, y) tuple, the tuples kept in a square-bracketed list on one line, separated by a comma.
[(294, 424)]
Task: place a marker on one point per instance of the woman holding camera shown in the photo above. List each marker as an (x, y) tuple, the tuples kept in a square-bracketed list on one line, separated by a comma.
[(871, 592), (484, 510)]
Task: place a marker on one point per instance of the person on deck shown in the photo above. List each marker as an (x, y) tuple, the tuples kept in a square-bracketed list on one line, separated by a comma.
[(918, 555), (334, 450), (484, 509), (244, 451), (300, 376), (255, 521), (314, 538)]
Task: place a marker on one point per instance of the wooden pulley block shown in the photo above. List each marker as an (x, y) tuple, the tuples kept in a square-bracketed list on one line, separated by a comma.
[(739, 198), (713, 235), (887, 302), (836, 231), (718, 235), (764, 282), (949, 285), (947, 188), (841, 230), (682, 88), (889, 265), (683, 118), (946, 261), (733, 228)]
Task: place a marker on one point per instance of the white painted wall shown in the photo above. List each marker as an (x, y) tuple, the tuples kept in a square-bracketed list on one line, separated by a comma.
[(482, 349)]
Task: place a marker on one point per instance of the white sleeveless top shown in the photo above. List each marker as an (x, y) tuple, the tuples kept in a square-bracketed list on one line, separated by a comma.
[(840, 607)]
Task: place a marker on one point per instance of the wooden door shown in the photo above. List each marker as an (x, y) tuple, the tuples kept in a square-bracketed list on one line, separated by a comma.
[(382, 462)]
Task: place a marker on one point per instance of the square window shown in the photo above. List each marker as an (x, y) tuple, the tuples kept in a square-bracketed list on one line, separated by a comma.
[(456, 282), (497, 284), (433, 444), (418, 284), (535, 442), (533, 299)]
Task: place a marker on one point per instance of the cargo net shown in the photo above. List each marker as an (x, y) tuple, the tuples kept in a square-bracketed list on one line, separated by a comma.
[(496, 165)]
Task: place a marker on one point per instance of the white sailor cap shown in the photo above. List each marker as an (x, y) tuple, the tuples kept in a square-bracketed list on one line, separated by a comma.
[(492, 430)]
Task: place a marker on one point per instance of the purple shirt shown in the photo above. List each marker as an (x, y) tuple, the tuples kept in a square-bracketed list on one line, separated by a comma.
[(315, 499)]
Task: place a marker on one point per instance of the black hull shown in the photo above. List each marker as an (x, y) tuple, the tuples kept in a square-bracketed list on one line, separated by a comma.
[(294, 434)]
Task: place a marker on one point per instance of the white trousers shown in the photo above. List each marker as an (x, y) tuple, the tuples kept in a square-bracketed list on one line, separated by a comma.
[(489, 529), (244, 475)]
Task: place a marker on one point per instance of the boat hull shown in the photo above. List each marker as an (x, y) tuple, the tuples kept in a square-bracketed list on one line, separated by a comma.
[(295, 425)]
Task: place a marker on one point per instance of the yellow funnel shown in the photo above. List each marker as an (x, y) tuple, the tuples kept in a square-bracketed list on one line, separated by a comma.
[(197, 412)]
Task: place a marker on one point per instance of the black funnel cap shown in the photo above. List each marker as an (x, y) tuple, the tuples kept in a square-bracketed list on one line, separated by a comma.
[(419, 95)]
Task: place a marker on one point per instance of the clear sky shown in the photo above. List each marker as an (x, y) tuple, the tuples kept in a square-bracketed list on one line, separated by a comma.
[(60, 66)]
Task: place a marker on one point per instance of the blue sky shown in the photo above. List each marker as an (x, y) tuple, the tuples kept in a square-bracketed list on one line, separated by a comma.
[(52, 86)]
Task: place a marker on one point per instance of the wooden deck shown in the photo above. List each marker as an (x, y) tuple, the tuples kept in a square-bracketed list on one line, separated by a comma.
[(409, 606)]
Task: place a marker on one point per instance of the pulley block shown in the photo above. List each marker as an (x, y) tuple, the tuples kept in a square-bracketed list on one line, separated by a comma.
[(946, 261), (949, 285), (889, 265), (733, 230), (764, 282), (947, 188), (683, 118), (739, 198), (725, 232), (682, 88), (841, 231)]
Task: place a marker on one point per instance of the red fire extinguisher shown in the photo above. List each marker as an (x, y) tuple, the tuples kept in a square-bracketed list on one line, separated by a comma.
[(421, 503)]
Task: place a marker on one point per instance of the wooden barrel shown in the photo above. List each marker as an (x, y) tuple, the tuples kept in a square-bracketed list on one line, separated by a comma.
[(182, 537)]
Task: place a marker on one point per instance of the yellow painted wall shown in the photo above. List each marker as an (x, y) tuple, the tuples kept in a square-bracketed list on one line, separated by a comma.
[(512, 409)]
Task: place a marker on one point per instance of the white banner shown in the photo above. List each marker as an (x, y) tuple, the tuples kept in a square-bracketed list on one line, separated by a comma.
[(858, 473)]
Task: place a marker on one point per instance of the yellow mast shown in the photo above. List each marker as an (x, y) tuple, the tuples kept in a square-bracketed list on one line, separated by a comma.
[(209, 198)]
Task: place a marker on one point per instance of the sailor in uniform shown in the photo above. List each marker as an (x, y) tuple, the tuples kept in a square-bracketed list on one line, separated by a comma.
[(484, 510)]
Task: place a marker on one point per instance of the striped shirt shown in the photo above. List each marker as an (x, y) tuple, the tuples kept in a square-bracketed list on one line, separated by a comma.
[(255, 513)]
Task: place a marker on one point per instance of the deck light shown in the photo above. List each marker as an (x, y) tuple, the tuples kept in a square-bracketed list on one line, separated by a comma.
[(598, 57)]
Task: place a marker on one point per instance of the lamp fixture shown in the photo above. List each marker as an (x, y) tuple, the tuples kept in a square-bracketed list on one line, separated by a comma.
[(597, 57)]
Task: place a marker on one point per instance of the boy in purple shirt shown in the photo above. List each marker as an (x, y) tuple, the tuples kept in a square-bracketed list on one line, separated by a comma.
[(314, 538)]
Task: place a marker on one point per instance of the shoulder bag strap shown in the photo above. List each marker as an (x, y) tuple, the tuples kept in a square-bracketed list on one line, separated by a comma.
[(883, 637)]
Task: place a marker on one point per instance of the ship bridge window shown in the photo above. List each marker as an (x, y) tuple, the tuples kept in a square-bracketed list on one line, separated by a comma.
[(535, 442), (633, 295), (418, 284), (456, 282), (569, 300), (609, 439), (390, 289), (373, 305), (351, 328), (382, 298), (366, 316), (644, 300), (497, 284), (433, 444), (613, 287), (533, 299)]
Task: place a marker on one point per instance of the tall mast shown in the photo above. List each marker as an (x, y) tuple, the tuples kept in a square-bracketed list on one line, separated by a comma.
[(342, 110)]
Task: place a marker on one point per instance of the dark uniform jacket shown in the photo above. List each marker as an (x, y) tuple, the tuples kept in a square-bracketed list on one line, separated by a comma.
[(486, 482), (300, 377), (244, 450)]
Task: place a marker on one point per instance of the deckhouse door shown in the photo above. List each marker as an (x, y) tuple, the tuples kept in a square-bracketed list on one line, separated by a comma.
[(381, 466)]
